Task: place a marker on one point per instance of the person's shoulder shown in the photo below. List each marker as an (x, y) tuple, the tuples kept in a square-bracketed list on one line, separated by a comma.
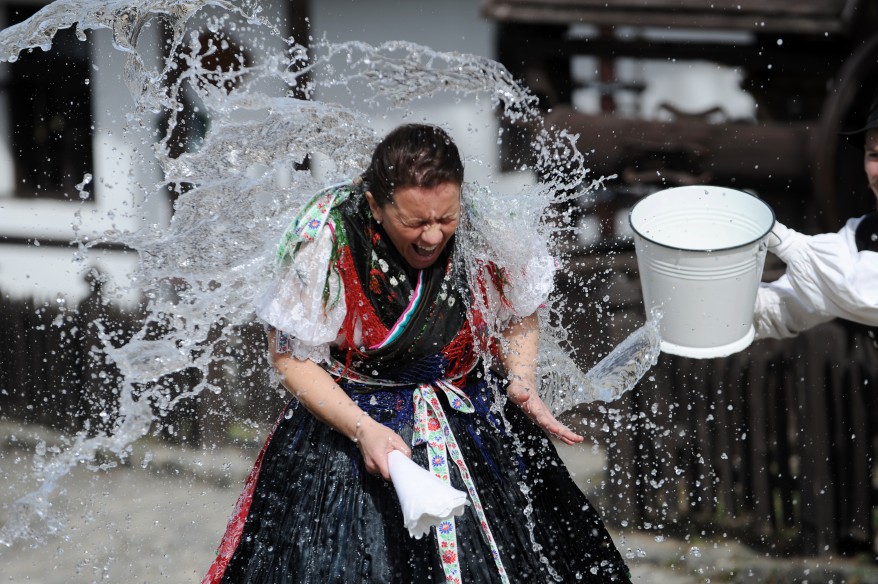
[(865, 229), (871, 217), (311, 221)]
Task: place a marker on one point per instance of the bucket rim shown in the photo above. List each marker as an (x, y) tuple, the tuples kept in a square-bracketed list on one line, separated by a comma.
[(688, 187)]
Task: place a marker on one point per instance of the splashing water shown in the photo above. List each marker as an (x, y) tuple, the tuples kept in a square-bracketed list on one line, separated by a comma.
[(611, 377), (243, 184)]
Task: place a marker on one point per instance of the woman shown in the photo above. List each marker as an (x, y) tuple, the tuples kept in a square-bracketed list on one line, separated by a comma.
[(382, 332)]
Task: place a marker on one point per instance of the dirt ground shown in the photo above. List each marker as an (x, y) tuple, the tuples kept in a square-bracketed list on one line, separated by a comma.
[(128, 524)]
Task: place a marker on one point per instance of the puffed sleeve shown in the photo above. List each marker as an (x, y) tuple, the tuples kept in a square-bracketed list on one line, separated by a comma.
[(526, 287), (826, 278), (506, 254), (305, 300), (516, 290)]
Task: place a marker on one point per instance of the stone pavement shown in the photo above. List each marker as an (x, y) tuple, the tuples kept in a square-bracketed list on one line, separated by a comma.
[(159, 519)]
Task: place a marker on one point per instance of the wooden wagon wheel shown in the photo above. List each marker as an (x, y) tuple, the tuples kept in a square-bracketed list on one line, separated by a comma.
[(837, 168)]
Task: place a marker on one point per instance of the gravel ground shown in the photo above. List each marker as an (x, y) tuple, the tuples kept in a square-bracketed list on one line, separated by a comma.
[(128, 524), (162, 521)]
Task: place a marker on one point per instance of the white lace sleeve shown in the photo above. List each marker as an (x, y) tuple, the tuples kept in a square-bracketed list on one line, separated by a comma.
[(826, 278), (505, 250), (305, 300), (527, 287)]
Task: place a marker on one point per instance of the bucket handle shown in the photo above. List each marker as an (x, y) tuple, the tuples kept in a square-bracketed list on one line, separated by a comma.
[(777, 239)]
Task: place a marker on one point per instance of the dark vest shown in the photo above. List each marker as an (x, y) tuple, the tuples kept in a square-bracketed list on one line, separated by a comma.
[(866, 237)]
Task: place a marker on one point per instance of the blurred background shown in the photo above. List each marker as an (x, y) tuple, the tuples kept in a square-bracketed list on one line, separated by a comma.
[(772, 448)]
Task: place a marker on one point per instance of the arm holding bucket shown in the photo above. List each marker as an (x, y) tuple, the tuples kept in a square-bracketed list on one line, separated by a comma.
[(827, 277)]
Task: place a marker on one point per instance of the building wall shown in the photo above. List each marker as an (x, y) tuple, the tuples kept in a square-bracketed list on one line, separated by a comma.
[(122, 176), (49, 272)]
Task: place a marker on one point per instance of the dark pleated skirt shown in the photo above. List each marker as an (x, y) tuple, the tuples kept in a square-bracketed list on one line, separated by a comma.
[(316, 516)]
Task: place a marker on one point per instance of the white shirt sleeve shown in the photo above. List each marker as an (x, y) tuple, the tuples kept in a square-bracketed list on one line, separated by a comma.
[(305, 300), (826, 278)]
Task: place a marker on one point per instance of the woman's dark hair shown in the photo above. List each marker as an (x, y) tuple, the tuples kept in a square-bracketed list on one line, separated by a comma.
[(413, 155)]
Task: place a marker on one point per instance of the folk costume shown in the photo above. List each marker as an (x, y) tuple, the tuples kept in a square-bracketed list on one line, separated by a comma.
[(409, 347)]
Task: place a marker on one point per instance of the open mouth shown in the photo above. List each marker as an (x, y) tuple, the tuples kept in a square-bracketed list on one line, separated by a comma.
[(425, 251)]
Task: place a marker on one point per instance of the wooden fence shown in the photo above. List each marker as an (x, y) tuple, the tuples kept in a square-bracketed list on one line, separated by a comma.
[(54, 373), (48, 373), (774, 445)]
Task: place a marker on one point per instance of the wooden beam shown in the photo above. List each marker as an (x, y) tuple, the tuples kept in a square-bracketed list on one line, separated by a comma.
[(62, 243)]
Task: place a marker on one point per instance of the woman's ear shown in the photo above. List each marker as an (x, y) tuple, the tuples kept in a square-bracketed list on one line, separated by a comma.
[(373, 206)]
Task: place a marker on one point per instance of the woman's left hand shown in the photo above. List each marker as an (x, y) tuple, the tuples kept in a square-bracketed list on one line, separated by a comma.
[(530, 403)]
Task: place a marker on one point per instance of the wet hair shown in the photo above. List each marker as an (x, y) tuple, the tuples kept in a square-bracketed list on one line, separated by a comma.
[(412, 155)]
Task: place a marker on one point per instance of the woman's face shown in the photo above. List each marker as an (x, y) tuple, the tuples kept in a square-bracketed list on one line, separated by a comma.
[(871, 160), (420, 221)]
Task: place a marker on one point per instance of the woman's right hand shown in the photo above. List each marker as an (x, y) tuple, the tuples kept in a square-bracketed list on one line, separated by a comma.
[(534, 407), (376, 441), (318, 392)]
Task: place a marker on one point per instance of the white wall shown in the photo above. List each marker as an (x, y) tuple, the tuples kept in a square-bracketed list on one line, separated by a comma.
[(46, 272), (450, 25)]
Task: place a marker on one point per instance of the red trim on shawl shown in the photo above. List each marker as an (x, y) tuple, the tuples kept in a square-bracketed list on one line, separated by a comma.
[(359, 308), (459, 352), (497, 278)]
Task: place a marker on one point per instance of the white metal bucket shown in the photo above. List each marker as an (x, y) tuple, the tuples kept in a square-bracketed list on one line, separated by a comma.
[(700, 253)]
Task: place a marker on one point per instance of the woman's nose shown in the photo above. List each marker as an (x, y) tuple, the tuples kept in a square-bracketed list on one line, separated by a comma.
[(432, 235)]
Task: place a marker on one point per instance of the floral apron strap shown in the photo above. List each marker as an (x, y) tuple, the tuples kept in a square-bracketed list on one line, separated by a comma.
[(431, 427)]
